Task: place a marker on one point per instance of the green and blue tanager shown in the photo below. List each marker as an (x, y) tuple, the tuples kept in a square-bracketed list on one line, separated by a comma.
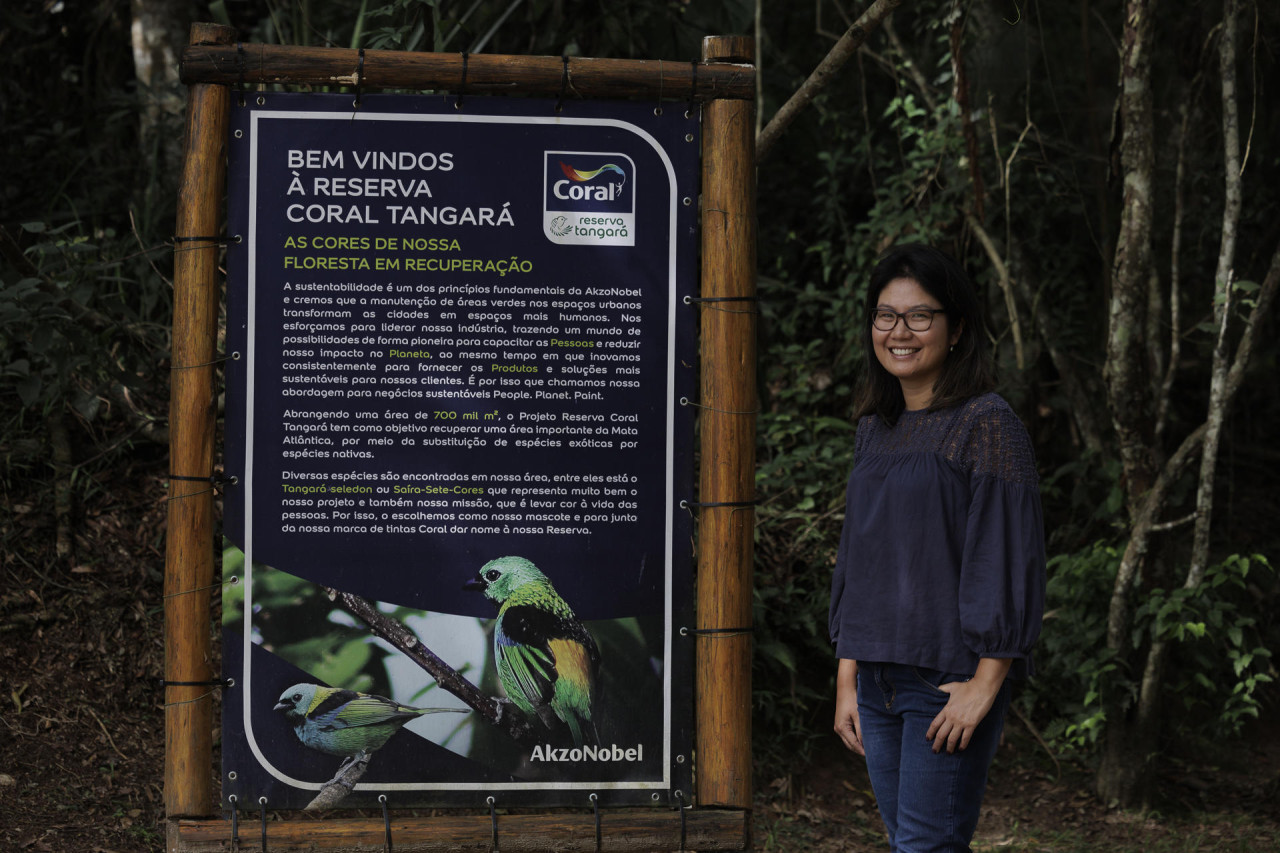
[(344, 722), (547, 660)]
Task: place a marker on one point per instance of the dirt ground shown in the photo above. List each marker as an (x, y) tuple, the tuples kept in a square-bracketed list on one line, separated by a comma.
[(81, 721)]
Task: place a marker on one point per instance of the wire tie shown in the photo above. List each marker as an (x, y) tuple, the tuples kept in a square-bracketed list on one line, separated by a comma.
[(462, 86), (191, 494), (711, 300), (220, 682), (359, 80), (235, 824), (680, 804), (214, 241), (493, 819), (693, 89), (234, 579), (235, 356), (262, 801), (658, 109), (241, 63), (595, 804), (685, 401), (687, 504), (689, 300), (716, 633), (564, 81), (215, 479), (386, 820)]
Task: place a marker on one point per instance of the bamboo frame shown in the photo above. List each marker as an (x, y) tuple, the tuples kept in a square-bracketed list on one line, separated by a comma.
[(728, 434), (725, 79), (189, 563), (480, 74), (626, 830)]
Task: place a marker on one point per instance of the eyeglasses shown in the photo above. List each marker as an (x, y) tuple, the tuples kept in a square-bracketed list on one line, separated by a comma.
[(917, 319)]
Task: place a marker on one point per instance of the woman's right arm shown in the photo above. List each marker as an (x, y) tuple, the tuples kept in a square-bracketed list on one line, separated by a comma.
[(847, 725)]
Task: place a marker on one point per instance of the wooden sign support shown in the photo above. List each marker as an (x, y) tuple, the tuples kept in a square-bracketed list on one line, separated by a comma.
[(725, 82), (728, 442)]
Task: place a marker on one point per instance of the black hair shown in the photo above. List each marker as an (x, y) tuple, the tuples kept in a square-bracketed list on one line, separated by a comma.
[(968, 369)]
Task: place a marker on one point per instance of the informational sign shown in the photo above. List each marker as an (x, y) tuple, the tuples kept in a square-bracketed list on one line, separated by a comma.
[(461, 357)]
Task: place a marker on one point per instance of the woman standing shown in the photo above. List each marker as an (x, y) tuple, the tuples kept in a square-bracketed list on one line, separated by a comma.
[(938, 589)]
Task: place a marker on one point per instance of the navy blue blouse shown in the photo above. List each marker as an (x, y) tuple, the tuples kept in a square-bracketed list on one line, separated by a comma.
[(941, 560)]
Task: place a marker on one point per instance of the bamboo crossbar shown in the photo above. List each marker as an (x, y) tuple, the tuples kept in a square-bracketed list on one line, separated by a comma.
[(629, 830), (485, 74)]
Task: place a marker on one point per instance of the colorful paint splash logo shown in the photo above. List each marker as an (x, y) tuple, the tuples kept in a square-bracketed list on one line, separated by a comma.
[(580, 176), (575, 187)]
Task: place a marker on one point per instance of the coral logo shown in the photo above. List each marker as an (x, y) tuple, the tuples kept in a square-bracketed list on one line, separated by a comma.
[(589, 198)]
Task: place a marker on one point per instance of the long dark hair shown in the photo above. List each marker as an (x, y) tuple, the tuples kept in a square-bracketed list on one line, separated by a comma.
[(968, 370)]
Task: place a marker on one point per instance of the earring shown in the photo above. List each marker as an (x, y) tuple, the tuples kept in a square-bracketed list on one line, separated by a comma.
[(953, 348)]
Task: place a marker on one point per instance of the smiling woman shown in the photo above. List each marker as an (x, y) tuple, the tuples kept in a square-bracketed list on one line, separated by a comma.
[(942, 554)]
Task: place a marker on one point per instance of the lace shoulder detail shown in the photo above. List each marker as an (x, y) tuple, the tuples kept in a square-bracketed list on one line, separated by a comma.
[(989, 440)]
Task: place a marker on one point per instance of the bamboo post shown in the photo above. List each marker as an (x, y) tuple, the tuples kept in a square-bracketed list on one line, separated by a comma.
[(727, 424), (188, 576)]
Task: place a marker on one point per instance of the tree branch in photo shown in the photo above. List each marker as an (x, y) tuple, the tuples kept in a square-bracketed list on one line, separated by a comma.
[(822, 75), (342, 783), (498, 712)]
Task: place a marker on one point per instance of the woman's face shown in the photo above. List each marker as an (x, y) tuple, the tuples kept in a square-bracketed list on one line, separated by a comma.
[(915, 358)]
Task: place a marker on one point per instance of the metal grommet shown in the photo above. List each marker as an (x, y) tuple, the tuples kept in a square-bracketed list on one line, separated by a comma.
[(680, 758), (688, 137), (687, 201), (654, 796), (261, 100), (230, 682), (684, 632), (688, 113), (684, 401), (235, 481), (239, 134), (657, 111), (233, 776)]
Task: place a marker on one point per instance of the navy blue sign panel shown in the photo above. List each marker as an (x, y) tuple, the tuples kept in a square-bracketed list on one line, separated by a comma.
[(461, 356)]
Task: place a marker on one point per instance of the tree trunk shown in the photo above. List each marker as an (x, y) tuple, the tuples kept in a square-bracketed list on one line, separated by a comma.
[(158, 34), (1131, 737)]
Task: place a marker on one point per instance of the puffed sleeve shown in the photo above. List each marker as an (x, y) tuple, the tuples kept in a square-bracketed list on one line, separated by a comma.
[(839, 573), (1002, 571)]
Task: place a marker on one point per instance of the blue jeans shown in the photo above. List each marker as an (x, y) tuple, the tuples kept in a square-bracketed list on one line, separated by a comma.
[(929, 802)]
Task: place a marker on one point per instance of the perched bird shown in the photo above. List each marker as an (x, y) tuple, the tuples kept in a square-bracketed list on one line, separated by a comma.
[(344, 722), (547, 660)]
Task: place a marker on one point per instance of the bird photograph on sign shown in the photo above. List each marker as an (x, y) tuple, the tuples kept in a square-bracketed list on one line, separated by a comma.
[(526, 690)]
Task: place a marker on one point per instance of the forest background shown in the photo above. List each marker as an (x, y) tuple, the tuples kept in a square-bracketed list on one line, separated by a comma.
[(1107, 169)]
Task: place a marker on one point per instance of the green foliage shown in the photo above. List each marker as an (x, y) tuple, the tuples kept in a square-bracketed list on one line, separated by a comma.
[(59, 338), (1218, 662)]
